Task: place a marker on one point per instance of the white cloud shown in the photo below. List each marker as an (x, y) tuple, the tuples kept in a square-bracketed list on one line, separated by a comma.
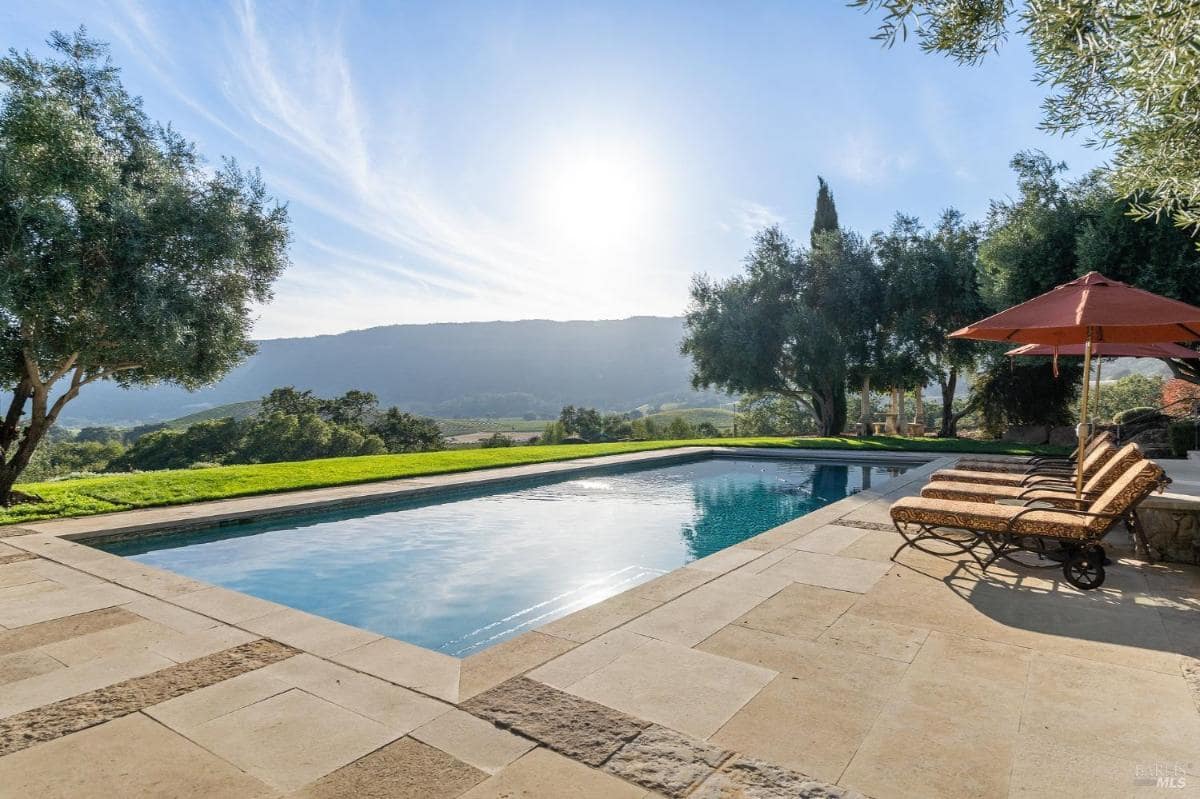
[(865, 158), (751, 217)]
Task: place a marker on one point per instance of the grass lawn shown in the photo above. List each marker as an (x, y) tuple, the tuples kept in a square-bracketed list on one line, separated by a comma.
[(148, 489)]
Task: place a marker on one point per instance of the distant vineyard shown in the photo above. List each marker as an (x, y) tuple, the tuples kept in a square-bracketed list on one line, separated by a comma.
[(461, 427), (721, 418)]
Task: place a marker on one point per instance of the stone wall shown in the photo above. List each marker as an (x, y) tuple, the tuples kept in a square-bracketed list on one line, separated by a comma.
[(1172, 525)]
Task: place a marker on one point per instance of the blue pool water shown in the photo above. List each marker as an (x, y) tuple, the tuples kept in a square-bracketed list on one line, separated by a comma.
[(461, 572)]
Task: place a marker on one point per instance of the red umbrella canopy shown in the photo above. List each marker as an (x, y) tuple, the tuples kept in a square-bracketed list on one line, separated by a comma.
[(1106, 350), (1094, 307)]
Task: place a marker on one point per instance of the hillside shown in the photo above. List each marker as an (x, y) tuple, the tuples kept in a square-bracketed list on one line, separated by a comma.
[(477, 369)]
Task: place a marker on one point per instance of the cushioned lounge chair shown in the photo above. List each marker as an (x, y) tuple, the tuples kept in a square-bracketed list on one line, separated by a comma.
[(1099, 456), (1005, 530), (1060, 493), (1013, 463)]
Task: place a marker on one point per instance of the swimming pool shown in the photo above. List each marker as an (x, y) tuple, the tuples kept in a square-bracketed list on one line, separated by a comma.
[(458, 572)]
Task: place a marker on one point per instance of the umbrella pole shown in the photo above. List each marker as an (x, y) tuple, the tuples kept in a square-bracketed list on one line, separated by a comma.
[(1099, 366), (1082, 432)]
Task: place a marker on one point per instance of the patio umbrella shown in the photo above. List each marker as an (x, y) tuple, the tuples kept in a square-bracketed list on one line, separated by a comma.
[(1105, 350), (1089, 310)]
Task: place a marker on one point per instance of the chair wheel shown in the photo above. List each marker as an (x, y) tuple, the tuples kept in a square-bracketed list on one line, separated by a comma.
[(1085, 569)]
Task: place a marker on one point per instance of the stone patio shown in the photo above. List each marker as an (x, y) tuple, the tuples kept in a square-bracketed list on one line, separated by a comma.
[(800, 663)]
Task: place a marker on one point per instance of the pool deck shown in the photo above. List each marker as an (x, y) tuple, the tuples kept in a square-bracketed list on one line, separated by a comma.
[(802, 662)]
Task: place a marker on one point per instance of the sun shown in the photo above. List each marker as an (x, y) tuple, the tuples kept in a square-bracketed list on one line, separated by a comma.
[(596, 197)]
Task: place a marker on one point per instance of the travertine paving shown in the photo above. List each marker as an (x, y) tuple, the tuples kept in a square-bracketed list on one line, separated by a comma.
[(802, 663)]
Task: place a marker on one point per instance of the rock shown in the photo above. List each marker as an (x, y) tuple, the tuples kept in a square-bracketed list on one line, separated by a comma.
[(667, 762), (1027, 434), (586, 731), (1172, 526), (1062, 436), (747, 778)]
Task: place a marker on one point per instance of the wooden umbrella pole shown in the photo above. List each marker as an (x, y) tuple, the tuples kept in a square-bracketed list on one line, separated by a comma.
[(1082, 432), (1096, 412)]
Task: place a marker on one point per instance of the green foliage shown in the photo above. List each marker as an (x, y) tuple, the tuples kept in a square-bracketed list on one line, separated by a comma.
[(125, 257), (825, 218), (1027, 393), (404, 432), (1132, 392), (707, 430), (56, 459), (99, 435), (679, 429), (1184, 437), (1125, 72), (1139, 414), (586, 423), (150, 489), (554, 433), (496, 440), (769, 415), (785, 326), (616, 426)]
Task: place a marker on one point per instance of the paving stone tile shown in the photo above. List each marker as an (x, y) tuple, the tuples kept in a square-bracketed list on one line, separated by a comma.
[(130, 758), (118, 640), (14, 592), (515, 656), (189, 646), (473, 740), (673, 584), (813, 725), (224, 605), (85, 708), (747, 778), (830, 539), (878, 545), (881, 638), (830, 571), (404, 769), (573, 666), (725, 560), (19, 573), (55, 686), (404, 664), (173, 616), (311, 633), (685, 689), (542, 774), (400, 709), (23, 665), (584, 625), (291, 739), (665, 761), (584, 730), (1145, 716), (67, 602), (694, 616), (14, 556), (799, 611), (142, 578), (751, 582), (49, 632), (187, 711)]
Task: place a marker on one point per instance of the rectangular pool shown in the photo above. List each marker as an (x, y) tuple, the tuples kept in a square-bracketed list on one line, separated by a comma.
[(458, 572)]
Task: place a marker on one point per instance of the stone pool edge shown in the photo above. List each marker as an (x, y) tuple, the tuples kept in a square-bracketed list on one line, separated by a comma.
[(423, 670)]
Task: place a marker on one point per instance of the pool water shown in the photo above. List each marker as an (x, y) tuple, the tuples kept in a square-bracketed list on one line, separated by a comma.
[(460, 572)]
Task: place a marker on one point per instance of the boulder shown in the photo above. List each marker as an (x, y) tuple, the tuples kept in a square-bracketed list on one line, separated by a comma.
[(1062, 436), (1027, 434)]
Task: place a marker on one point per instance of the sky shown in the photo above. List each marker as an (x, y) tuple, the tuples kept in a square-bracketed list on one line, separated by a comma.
[(453, 161)]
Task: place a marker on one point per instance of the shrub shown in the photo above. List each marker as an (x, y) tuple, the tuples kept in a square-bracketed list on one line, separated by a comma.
[(496, 440), (1183, 437), (1143, 413)]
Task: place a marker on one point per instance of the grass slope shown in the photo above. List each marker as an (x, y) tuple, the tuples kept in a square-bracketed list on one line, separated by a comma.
[(149, 489), (238, 410)]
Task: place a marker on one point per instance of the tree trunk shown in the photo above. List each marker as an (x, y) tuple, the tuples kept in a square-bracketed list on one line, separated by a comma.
[(949, 428), (864, 416), (11, 468), (919, 405), (901, 421)]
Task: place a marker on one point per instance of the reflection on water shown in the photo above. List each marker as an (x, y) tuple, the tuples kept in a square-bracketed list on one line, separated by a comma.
[(463, 572)]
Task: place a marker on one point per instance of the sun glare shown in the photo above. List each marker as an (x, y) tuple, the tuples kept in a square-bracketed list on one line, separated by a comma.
[(596, 199)]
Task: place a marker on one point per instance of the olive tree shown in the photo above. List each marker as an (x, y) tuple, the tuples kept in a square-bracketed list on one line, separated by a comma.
[(124, 257)]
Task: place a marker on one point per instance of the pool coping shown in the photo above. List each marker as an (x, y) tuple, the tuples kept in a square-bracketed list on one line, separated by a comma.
[(414, 667)]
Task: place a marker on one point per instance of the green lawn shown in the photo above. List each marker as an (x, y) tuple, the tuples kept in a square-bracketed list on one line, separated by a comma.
[(148, 489)]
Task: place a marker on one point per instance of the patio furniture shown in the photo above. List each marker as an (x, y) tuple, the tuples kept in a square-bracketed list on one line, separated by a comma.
[(1006, 530), (1031, 475), (1057, 492), (1016, 463)]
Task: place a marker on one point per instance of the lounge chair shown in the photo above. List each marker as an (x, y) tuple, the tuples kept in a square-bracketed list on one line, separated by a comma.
[(1057, 492), (1014, 463), (1098, 457), (1007, 529)]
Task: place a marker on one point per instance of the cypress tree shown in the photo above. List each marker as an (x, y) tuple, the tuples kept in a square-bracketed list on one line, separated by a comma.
[(825, 218)]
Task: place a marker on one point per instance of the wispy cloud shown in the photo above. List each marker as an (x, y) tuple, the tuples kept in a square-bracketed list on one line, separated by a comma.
[(864, 157), (751, 217)]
